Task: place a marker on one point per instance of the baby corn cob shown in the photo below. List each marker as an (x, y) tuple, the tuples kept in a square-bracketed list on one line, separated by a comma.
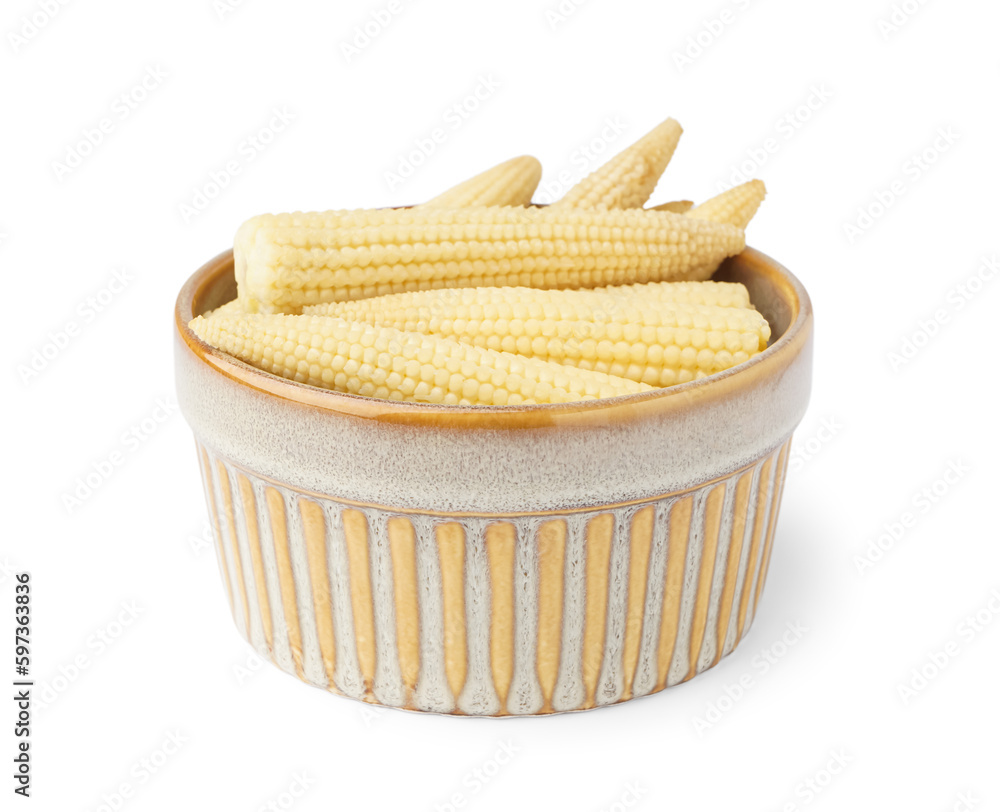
[(628, 179), (716, 294), (287, 261), (676, 206), (232, 308), (584, 302), (510, 184), (662, 345), (385, 363), (735, 207)]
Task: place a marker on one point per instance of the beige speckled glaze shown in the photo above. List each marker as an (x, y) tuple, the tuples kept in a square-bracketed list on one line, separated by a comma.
[(496, 560)]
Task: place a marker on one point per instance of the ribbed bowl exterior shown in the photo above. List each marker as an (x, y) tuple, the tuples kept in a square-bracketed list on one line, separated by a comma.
[(476, 615), (496, 561)]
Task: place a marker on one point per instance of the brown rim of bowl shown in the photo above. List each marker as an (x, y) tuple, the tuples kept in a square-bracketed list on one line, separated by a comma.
[(771, 362)]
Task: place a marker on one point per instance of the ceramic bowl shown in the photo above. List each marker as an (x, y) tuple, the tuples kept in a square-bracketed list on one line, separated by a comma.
[(495, 561)]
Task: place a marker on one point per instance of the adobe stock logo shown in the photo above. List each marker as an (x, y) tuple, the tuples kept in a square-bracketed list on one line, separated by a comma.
[(804, 450), (300, 784), (628, 799), (370, 30), (64, 335), (130, 442), (762, 662), (584, 159), (819, 781), (899, 527), (95, 645), (955, 300), (223, 8), (707, 35), (478, 778), (967, 631), (455, 117), (786, 127), (121, 109), (142, 771), (248, 150), (32, 25), (560, 13), (882, 200), (899, 16)]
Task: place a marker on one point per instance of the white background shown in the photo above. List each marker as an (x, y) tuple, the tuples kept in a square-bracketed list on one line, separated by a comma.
[(891, 431)]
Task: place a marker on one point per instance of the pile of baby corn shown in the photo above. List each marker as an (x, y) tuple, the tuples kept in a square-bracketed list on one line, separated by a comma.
[(479, 298)]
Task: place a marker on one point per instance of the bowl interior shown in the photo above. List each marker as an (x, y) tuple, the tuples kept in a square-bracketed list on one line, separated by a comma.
[(775, 292), (774, 300), (217, 290)]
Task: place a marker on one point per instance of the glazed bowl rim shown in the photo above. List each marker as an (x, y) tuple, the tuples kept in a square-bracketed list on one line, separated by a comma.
[(772, 361)]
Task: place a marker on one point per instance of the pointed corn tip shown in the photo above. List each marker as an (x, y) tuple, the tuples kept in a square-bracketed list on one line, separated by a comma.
[(511, 183), (675, 206), (628, 179), (528, 164), (736, 206)]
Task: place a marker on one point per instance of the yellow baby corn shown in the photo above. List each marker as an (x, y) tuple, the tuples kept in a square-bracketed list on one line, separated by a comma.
[(583, 303), (232, 308), (676, 206), (660, 345), (285, 262), (510, 184), (381, 362), (628, 179), (717, 294), (735, 207)]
